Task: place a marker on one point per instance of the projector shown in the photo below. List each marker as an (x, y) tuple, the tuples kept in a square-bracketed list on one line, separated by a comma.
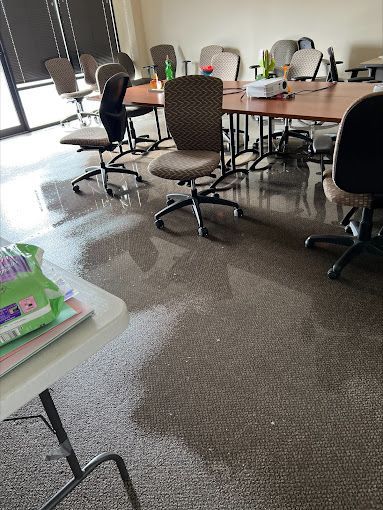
[(266, 87)]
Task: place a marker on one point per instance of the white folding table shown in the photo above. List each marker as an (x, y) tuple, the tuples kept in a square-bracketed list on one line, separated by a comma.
[(34, 376)]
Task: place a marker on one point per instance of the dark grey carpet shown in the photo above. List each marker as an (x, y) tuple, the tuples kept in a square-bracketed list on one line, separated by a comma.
[(246, 379)]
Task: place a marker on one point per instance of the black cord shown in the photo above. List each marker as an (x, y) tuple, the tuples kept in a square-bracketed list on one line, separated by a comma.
[(310, 91)]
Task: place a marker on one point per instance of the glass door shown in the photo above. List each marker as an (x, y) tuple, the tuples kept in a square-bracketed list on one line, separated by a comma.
[(12, 117)]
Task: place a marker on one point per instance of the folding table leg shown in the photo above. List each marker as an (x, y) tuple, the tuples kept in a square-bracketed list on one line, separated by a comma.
[(79, 473)]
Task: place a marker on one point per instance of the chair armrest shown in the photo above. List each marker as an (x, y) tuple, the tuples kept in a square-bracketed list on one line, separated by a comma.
[(353, 69), (254, 66), (186, 61), (302, 78), (323, 144)]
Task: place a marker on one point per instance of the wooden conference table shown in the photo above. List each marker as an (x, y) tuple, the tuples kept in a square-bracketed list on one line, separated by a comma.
[(321, 101)]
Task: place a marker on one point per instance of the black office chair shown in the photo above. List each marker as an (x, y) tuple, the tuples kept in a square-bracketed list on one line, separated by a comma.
[(103, 74), (357, 179), (305, 43), (127, 62), (113, 117)]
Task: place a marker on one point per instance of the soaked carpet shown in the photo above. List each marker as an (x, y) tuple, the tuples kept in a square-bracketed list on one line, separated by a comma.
[(246, 379)]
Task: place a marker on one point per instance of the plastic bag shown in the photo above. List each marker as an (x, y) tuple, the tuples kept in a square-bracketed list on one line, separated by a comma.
[(28, 299)]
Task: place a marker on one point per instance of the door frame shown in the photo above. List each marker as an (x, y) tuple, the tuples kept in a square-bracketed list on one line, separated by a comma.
[(23, 123)]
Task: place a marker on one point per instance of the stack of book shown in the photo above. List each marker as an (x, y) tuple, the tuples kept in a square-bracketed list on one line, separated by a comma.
[(19, 350)]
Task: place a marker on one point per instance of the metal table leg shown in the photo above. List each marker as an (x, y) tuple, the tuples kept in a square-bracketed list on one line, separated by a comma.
[(79, 473)]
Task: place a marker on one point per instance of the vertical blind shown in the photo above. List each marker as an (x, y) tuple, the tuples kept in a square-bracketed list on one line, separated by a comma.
[(32, 31)]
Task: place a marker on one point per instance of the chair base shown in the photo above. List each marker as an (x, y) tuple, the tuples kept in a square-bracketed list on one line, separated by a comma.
[(176, 201), (103, 170), (360, 242)]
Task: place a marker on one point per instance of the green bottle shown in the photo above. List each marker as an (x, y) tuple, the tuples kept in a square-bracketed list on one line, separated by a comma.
[(169, 74)]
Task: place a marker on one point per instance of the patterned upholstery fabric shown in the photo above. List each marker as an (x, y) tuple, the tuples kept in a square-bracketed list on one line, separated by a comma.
[(105, 72), (305, 63), (283, 52), (226, 66), (335, 194), (207, 53), (193, 110), (87, 137), (62, 74), (89, 67), (127, 62), (78, 94), (185, 165), (159, 54)]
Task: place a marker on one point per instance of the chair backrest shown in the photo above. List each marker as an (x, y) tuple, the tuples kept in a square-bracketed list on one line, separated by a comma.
[(333, 71), (305, 43), (159, 54), (62, 73), (113, 113), (207, 53), (127, 62), (225, 66), (282, 52), (358, 165), (305, 63), (193, 112), (89, 67), (105, 72)]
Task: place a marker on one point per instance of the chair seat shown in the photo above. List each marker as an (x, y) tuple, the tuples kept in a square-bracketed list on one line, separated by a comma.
[(87, 137), (137, 111), (335, 194), (78, 94), (185, 164)]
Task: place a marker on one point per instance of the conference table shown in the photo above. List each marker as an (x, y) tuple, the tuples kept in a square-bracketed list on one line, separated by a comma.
[(316, 101)]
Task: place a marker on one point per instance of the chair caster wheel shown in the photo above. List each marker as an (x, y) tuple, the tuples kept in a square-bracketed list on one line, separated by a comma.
[(216, 195), (309, 243), (332, 274), (109, 191), (138, 178), (203, 232), (76, 188), (348, 229), (170, 201), (159, 224), (238, 213)]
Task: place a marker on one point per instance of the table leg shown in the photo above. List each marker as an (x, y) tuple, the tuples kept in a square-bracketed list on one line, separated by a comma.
[(79, 473), (270, 151)]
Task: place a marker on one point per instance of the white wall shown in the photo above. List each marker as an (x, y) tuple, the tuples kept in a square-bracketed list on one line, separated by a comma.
[(353, 27)]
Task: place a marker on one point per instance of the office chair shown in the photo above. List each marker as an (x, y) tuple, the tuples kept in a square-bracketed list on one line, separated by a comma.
[(225, 66), (193, 112), (103, 74), (357, 179), (113, 117), (89, 67), (304, 66), (159, 54), (282, 52), (305, 43), (205, 57), (64, 78), (127, 62)]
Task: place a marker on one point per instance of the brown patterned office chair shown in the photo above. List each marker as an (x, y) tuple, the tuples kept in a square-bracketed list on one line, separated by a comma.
[(106, 138), (304, 66), (103, 74), (207, 53), (225, 66), (159, 54), (283, 52), (64, 78), (356, 179), (89, 67), (193, 111)]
